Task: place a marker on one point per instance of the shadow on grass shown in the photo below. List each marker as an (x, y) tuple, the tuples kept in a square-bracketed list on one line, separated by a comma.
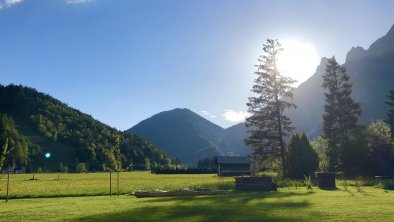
[(236, 196), (245, 206), (329, 188)]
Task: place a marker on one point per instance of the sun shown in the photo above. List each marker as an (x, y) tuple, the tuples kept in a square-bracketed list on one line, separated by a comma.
[(298, 60)]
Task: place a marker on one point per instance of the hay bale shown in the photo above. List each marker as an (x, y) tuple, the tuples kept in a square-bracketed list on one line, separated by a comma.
[(255, 184)]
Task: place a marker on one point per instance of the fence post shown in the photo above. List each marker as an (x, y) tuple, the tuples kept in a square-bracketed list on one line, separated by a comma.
[(117, 182), (110, 183), (8, 183)]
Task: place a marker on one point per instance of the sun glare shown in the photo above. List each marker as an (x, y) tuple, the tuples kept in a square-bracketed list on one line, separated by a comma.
[(298, 60)]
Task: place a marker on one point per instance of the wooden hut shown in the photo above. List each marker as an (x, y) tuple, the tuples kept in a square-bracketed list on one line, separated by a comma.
[(233, 165)]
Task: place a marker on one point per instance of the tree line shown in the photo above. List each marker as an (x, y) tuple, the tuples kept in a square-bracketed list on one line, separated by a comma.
[(344, 147)]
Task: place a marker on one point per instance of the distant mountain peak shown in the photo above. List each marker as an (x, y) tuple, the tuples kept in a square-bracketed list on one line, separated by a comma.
[(190, 137), (383, 44), (355, 53), (322, 66), (391, 32), (371, 75)]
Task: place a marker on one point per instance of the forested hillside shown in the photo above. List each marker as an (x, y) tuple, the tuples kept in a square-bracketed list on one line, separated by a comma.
[(33, 123)]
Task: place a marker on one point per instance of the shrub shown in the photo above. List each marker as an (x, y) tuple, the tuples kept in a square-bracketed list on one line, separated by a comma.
[(358, 183), (81, 168), (308, 182), (62, 168), (39, 170)]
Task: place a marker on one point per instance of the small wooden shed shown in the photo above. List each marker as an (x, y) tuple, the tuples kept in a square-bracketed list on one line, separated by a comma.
[(233, 165)]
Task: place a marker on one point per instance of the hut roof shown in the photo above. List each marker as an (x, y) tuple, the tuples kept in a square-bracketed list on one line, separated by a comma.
[(233, 159)]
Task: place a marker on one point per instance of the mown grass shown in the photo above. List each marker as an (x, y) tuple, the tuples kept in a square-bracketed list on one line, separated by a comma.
[(96, 184), (372, 204)]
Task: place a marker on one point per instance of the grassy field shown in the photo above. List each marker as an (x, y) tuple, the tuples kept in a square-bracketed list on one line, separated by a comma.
[(95, 184), (372, 204), (288, 204)]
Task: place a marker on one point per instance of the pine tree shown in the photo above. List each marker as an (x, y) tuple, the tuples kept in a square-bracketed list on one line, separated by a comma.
[(267, 123), (390, 113), (302, 160), (341, 113)]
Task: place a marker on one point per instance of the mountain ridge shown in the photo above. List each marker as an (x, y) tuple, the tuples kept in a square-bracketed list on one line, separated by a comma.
[(371, 73), (187, 136)]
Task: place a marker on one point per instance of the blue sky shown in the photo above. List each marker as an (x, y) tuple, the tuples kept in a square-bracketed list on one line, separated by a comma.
[(123, 61)]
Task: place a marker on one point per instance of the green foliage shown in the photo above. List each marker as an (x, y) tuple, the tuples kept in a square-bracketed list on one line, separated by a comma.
[(40, 170), (390, 113), (95, 143), (341, 113), (62, 168), (81, 168), (3, 153), (268, 124), (354, 156), (320, 145), (15, 147), (358, 184), (381, 148), (301, 158), (387, 185), (379, 133), (308, 182)]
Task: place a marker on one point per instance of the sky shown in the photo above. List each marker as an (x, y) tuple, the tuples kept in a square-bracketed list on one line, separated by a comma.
[(122, 61)]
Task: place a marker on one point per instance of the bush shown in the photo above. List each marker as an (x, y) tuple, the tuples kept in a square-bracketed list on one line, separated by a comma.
[(358, 183), (62, 168), (308, 182), (386, 184), (81, 168)]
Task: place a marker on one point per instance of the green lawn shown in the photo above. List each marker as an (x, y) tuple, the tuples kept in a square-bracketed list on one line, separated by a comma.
[(288, 204), (94, 184), (372, 204)]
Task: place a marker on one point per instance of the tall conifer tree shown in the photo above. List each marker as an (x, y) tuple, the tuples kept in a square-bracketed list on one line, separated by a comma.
[(268, 124), (341, 113), (390, 113)]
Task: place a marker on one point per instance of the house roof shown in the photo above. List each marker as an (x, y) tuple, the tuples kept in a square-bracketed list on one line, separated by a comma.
[(233, 159)]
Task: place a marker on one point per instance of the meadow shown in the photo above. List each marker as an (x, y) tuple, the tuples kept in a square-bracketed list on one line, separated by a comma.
[(288, 204), (80, 197), (97, 184)]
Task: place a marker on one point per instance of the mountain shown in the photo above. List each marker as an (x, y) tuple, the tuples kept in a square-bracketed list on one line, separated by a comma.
[(232, 142), (371, 72), (34, 123), (182, 134), (189, 137)]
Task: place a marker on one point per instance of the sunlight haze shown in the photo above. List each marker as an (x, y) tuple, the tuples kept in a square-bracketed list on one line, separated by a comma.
[(298, 60)]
